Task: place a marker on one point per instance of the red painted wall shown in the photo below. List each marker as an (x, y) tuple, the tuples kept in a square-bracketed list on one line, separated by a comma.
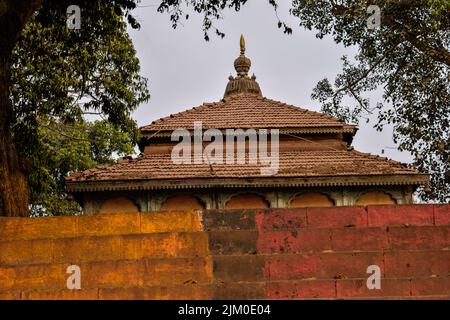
[(312, 253)]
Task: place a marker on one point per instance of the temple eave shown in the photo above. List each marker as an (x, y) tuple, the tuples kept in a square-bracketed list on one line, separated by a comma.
[(204, 183)]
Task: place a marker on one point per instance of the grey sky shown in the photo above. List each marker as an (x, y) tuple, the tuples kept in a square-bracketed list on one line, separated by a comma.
[(184, 71)]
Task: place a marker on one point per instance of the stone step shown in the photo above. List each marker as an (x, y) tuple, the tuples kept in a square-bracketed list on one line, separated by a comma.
[(170, 292), (229, 269), (91, 249), (228, 242), (331, 265), (99, 225), (303, 240), (396, 288), (357, 288), (272, 219), (108, 274), (335, 217)]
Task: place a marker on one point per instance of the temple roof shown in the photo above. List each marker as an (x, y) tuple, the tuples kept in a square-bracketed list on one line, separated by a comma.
[(303, 168), (247, 110), (244, 107)]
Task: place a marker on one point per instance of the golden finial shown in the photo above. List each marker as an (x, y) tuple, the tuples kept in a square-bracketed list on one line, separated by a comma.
[(242, 44)]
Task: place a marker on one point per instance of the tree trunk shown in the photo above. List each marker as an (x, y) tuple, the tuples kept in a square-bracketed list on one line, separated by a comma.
[(14, 14), (13, 183)]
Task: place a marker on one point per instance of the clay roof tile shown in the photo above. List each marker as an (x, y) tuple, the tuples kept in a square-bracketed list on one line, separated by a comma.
[(292, 164), (245, 110)]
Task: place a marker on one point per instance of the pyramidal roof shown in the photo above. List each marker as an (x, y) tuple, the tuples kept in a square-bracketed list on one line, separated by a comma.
[(247, 110), (244, 106)]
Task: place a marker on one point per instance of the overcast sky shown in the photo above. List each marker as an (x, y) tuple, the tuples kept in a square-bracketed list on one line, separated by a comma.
[(184, 70)]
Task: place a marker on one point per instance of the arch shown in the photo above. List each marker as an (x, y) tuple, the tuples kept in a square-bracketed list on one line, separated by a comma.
[(247, 201), (374, 198), (182, 202), (118, 205), (311, 199)]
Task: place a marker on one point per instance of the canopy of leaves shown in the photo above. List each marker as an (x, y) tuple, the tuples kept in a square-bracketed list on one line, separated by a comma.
[(407, 57), (61, 79), (66, 148)]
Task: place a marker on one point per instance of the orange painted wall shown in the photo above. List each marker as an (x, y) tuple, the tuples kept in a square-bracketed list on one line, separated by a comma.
[(311, 199), (247, 201), (118, 205), (374, 198), (182, 202)]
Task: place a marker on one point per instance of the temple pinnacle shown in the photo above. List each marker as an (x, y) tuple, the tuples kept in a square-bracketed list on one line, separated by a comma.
[(242, 83)]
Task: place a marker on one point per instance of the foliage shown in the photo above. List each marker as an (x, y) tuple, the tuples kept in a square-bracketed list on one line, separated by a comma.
[(63, 78), (408, 57), (211, 11)]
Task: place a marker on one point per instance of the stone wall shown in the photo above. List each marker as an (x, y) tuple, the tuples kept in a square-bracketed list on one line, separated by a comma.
[(312, 253)]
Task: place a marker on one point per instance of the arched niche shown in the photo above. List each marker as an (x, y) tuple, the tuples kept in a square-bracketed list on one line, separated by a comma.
[(374, 198), (310, 200), (182, 202), (118, 205), (247, 201)]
